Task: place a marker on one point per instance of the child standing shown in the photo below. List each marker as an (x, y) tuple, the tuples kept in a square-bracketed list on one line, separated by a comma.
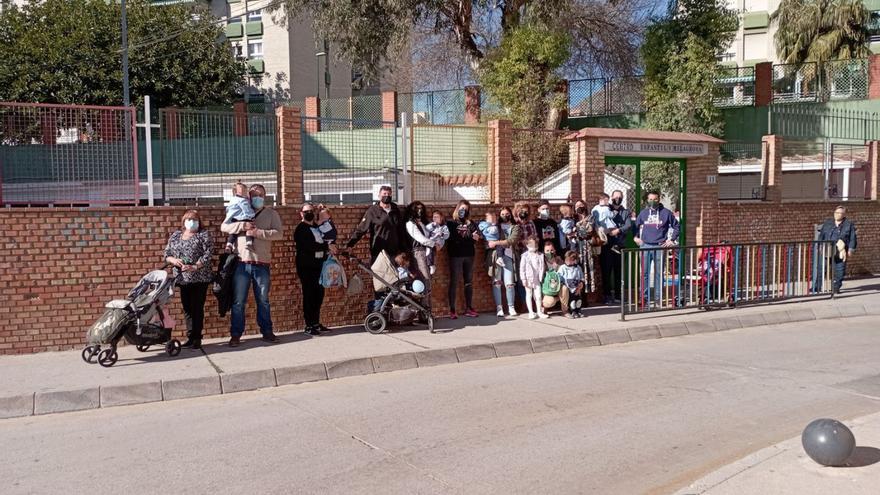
[(573, 279), (437, 232), (239, 209), (531, 273), (492, 232)]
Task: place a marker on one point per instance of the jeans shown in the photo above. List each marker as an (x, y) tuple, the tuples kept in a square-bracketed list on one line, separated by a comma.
[(463, 266), (245, 275), (839, 267), (503, 276), (654, 257), (192, 298), (610, 263), (312, 292)]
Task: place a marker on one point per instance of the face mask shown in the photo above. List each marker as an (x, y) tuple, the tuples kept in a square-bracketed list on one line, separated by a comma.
[(616, 201), (544, 214), (462, 213), (309, 216), (550, 255), (505, 218), (191, 224), (524, 215), (532, 249), (581, 211), (257, 202), (652, 204), (385, 200)]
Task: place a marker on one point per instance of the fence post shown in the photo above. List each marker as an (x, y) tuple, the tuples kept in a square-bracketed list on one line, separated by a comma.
[(148, 141), (389, 108), (239, 119), (471, 105), (763, 84), (874, 77), (873, 168), (171, 124), (500, 161), (290, 170), (313, 112), (771, 168)]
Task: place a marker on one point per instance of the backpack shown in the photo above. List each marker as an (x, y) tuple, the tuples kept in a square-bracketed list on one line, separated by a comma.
[(222, 287), (552, 284), (332, 274)]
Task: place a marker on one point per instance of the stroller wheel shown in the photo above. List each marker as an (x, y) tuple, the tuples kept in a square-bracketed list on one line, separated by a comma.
[(375, 323), (107, 358), (142, 348), (89, 353), (431, 323), (172, 347)]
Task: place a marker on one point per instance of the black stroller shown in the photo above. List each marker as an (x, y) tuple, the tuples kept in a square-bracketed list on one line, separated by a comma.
[(141, 318), (398, 304)]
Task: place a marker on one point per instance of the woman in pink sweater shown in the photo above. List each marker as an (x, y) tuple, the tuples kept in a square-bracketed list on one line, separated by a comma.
[(531, 273)]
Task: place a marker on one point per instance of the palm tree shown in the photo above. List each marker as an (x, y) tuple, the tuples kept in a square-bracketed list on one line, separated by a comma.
[(821, 30)]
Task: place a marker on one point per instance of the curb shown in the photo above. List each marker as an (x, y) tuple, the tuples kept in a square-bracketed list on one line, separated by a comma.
[(166, 390)]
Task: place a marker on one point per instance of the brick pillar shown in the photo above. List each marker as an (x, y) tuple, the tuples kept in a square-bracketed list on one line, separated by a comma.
[(500, 161), (172, 123), (763, 84), (389, 108), (874, 77), (239, 119), (574, 169), (290, 170), (313, 113), (771, 168), (49, 128), (873, 169), (472, 105)]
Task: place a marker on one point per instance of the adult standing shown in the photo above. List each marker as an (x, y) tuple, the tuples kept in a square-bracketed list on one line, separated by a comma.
[(609, 258), (384, 222), (311, 252), (253, 267), (842, 232), (548, 228), (461, 246), (502, 269), (656, 228), (416, 217), (189, 250)]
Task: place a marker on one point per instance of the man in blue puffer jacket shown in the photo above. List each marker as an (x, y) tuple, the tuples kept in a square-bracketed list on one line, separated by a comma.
[(656, 227)]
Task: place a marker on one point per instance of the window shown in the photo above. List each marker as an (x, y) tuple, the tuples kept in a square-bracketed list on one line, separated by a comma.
[(234, 20), (237, 50), (755, 46), (255, 48), (874, 27), (726, 57), (255, 15)]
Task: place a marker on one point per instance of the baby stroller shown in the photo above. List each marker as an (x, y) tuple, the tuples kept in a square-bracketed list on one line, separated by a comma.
[(141, 318), (398, 304)]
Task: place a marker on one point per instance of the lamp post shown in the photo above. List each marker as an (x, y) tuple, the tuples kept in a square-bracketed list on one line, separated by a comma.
[(126, 99)]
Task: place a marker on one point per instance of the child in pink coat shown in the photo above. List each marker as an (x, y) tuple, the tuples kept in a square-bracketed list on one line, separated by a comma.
[(531, 273)]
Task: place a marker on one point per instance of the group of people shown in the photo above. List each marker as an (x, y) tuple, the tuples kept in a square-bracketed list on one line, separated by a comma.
[(536, 260)]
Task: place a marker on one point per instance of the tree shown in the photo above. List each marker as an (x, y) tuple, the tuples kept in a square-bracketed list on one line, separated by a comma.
[(821, 30), (602, 35), (69, 51)]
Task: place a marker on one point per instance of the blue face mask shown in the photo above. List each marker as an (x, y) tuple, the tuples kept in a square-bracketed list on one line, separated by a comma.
[(191, 225), (257, 202)]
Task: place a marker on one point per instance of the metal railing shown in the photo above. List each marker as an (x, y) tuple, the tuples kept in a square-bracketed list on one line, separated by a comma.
[(723, 275), (807, 122), (606, 96), (433, 107), (360, 111), (735, 87), (739, 171), (844, 80), (449, 163), (795, 82), (67, 155)]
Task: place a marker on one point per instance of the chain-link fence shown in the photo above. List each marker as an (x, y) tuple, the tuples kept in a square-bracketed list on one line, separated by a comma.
[(203, 153), (735, 87), (601, 96), (626, 95), (434, 107), (67, 155), (739, 171), (361, 112), (449, 163), (621, 178), (348, 161), (850, 171), (540, 164), (844, 80), (795, 82)]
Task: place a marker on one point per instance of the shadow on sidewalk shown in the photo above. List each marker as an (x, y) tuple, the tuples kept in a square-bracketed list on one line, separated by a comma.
[(863, 456)]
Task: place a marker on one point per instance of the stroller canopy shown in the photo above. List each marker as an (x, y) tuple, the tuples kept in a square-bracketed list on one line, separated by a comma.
[(151, 287)]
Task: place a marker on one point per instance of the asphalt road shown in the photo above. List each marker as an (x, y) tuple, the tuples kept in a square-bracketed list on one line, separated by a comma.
[(647, 417)]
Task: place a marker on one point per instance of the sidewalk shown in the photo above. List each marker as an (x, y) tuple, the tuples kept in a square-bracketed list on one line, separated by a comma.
[(784, 468), (61, 381)]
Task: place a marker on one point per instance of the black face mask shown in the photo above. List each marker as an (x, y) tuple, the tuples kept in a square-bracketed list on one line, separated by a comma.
[(617, 201), (523, 215), (309, 216), (581, 211), (385, 200), (505, 218)]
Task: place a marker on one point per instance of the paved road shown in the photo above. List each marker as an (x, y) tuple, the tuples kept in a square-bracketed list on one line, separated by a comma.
[(646, 417)]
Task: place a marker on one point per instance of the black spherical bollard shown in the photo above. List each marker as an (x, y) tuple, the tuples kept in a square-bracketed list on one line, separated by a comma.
[(828, 442)]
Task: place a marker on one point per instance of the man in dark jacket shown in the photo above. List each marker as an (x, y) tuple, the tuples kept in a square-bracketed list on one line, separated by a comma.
[(843, 233), (547, 228), (609, 258), (656, 227), (384, 222)]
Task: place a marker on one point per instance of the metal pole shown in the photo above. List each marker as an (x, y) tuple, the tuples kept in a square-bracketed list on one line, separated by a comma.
[(148, 138), (126, 100), (404, 129)]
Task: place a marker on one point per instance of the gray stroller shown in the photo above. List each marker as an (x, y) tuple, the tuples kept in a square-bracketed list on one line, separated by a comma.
[(141, 318)]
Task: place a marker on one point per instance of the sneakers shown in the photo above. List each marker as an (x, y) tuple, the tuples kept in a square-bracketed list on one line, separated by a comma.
[(271, 338), (322, 328), (532, 316), (432, 269), (500, 312), (570, 316), (453, 316), (543, 315), (511, 311), (312, 330), (234, 341), (471, 313), (194, 344)]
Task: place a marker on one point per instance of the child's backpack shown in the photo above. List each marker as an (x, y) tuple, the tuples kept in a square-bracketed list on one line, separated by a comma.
[(552, 283), (332, 274)]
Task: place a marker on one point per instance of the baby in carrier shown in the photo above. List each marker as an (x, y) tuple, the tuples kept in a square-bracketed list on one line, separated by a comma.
[(239, 209)]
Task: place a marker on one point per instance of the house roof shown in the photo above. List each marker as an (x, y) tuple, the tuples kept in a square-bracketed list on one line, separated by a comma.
[(642, 134)]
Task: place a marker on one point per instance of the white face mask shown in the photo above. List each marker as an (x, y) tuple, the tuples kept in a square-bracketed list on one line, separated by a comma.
[(533, 249), (191, 224)]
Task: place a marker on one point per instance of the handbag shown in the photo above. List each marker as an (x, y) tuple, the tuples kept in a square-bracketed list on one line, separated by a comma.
[(332, 274)]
